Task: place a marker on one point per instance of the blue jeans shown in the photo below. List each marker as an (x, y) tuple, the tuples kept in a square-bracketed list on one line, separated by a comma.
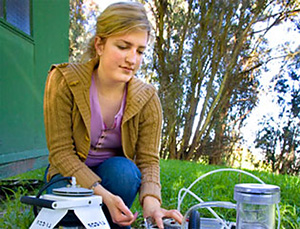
[(119, 175)]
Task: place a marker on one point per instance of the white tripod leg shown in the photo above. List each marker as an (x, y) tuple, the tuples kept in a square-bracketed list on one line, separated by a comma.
[(48, 218), (92, 217)]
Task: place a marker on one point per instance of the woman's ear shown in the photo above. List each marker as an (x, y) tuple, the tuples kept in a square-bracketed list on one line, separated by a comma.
[(99, 45)]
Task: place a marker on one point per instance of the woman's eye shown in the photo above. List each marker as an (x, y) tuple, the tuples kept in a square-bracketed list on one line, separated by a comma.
[(140, 52), (122, 47)]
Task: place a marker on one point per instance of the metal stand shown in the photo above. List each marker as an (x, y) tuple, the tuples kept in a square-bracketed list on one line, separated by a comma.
[(54, 207), (87, 209)]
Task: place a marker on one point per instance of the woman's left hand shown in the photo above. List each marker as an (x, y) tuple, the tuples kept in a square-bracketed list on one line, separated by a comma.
[(151, 208)]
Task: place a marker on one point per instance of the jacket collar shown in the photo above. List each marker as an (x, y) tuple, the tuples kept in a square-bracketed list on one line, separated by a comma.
[(78, 78), (138, 95)]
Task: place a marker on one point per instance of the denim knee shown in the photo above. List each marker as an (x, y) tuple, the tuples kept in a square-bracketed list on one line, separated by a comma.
[(121, 177)]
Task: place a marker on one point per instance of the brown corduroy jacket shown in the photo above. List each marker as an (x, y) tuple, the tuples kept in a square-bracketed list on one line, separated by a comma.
[(67, 123)]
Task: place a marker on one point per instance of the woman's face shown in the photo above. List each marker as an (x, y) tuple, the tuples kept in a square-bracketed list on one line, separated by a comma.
[(121, 55)]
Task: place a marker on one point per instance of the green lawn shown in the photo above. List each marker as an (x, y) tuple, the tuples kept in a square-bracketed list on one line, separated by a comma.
[(174, 176)]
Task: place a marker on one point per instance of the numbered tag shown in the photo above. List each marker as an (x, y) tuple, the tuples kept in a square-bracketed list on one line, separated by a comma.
[(92, 217), (48, 218)]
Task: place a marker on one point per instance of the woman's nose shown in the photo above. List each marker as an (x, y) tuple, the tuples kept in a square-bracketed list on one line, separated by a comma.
[(131, 57)]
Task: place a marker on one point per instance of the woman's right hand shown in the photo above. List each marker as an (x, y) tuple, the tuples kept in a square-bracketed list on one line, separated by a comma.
[(119, 212)]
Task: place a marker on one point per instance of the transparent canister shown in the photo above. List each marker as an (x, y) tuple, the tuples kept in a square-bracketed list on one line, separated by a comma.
[(256, 205)]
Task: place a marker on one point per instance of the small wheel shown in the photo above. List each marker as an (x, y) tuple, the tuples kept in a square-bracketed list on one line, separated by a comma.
[(194, 220)]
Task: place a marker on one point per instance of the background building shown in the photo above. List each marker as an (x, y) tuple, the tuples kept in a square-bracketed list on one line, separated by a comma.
[(33, 35)]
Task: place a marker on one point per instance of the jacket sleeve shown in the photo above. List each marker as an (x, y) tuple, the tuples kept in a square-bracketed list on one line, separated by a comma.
[(147, 148), (58, 108)]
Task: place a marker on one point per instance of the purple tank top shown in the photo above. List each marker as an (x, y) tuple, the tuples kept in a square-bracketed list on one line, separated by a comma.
[(105, 142)]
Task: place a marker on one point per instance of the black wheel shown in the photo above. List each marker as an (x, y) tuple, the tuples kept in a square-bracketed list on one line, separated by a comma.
[(194, 220)]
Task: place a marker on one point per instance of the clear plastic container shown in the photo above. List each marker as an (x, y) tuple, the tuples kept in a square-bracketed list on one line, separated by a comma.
[(256, 205)]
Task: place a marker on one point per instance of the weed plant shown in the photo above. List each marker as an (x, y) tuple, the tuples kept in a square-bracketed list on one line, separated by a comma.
[(174, 176), (14, 213)]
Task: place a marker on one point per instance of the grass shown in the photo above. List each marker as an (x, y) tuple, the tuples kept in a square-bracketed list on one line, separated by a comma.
[(174, 176), (14, 213)]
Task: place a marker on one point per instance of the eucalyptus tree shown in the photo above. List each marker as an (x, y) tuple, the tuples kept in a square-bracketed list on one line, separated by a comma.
[(82, 19), (207, 59), (279, 140)]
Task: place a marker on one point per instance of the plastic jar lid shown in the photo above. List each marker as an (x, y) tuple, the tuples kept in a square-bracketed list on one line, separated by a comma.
[(261, 194)]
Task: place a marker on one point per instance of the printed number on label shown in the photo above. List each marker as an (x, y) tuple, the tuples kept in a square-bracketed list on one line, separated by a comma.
[(43, 224), (96, 224)]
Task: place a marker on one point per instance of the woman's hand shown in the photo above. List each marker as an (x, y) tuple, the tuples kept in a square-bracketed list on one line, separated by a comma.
[(151, 208), (119, 212)]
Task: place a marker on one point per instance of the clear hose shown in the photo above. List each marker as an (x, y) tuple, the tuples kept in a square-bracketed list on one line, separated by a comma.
[(182, 193)]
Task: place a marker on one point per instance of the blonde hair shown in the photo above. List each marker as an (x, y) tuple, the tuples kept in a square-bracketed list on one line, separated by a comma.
[(116, 19)]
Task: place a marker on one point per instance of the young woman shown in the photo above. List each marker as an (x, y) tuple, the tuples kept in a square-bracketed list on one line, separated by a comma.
[(103, 125)]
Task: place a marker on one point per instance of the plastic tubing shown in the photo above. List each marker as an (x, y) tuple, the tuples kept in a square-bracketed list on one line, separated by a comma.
[(206, 205), (187, 190)]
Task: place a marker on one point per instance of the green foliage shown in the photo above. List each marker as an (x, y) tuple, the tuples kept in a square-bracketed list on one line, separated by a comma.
[(35, 174), (16, 214), (174, 176), (290, 216)]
